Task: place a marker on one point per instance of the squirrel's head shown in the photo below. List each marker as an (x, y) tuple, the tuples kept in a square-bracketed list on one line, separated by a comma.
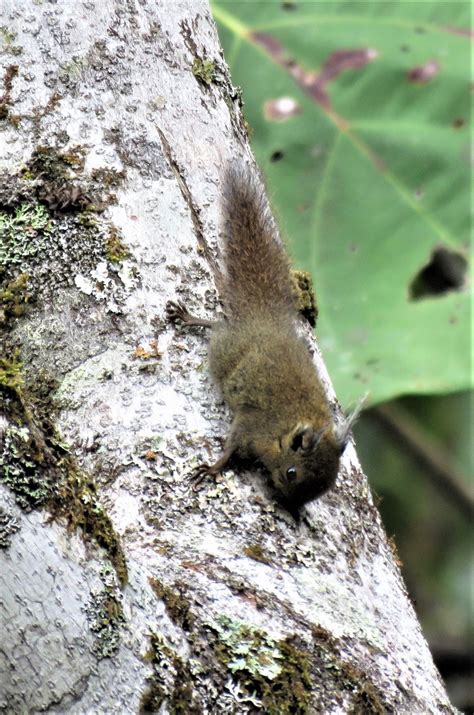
[(308, 465), (309, 460)]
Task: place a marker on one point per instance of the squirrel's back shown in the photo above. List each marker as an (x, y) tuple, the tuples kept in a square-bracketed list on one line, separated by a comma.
[(257, 280)]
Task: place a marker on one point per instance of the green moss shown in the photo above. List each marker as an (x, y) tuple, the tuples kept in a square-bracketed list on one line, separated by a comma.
[(21, 465), (73, 68), (204, 70), (304, 292), (105, 616), (8, 526), (14, 298), (60, 181), (176, 604), (115, 250), (74, 157), (171, 681), (108, 178), (11, 378), (75, 500), (7, 36), (292, 688), (49, 162), (366, 699), (7, 39), (152, 698), (38, 467), (34, 462), (273, 675), (256, 552), (24, 229), (88, 218), (33, 238), (50, 211)]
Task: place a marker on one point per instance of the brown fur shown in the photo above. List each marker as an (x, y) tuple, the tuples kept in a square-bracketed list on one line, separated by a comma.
[(264, 369)]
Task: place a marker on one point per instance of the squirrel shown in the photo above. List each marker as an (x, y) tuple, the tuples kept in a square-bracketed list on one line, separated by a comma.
[(282, 417)]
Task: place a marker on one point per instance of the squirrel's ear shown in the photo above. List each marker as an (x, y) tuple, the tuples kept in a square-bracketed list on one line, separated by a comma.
[(302, 437), (342, 430)]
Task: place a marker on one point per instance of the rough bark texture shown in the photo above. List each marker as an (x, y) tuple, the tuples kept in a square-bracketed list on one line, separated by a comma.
[(115, 120)]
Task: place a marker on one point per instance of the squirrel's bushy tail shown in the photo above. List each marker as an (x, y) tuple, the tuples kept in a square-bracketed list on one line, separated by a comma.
[(257, 268)]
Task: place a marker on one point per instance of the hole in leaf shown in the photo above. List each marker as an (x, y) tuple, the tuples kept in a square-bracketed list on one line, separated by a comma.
[(277, 156), (444, 272)]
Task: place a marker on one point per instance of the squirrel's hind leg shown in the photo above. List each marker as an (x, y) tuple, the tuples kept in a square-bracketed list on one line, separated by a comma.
[(177, 313)]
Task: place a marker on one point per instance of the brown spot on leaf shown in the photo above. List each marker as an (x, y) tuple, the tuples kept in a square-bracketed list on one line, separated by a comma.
[(281, 109), (315, 83), (337, 62), (458, 123), (269, 43), (444, 272), (464, 31), (343, 60), (421, 74)]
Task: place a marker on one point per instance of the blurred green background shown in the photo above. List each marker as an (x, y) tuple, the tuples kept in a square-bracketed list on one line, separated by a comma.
[(359, 114)]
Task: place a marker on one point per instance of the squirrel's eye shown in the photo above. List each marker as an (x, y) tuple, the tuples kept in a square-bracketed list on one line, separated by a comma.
[(291, 474)]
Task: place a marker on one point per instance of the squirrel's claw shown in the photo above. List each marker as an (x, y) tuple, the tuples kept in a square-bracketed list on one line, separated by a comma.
[(206, 470), (200, 473), (176, 312)]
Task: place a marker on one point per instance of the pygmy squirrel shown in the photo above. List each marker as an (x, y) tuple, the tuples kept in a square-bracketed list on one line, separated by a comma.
[(263, 367)]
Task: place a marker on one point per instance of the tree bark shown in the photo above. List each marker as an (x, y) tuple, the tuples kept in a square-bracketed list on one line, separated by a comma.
[(123, 589)]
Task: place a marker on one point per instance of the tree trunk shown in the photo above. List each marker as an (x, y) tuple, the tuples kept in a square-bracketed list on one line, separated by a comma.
[(123, 589)]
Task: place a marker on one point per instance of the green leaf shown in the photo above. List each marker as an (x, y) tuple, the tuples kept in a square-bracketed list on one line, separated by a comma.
[(370, 173)]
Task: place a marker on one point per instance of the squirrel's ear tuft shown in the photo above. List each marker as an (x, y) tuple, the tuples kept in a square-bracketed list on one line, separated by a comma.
[(343, 430)]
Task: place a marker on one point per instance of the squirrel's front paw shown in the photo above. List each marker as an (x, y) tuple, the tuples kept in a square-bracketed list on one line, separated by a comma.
[(200, 473), (176, 312)]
